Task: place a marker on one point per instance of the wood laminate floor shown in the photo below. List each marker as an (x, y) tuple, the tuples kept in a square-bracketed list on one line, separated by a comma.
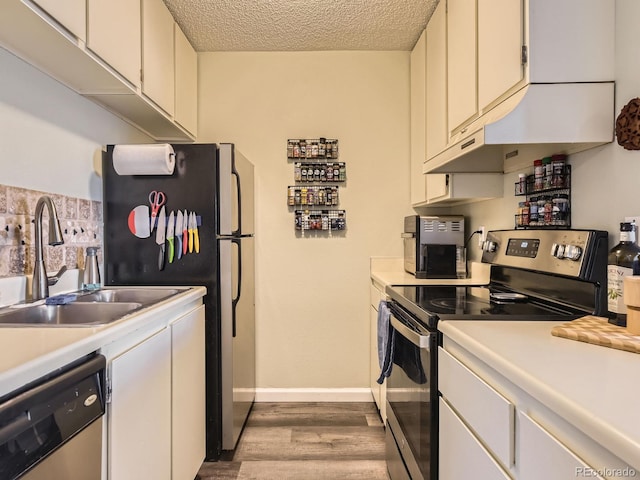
[(306, 441)]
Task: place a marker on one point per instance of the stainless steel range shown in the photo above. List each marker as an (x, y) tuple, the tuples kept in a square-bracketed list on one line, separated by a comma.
[(536, 275)]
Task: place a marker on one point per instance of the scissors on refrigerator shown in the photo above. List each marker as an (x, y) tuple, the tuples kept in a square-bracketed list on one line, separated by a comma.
[(156, 199)]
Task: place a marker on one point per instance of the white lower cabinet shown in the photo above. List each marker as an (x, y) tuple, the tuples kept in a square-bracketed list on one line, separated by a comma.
[(187, 395), (461, 455), (541, 455), (156, 408), (139, 415), (487, 429)]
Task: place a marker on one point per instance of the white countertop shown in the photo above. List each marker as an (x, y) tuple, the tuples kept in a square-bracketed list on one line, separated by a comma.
[(595, 388), (390, 271), (28, 353)]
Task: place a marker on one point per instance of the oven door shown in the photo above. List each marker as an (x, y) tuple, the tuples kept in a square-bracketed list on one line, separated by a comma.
[(412, 416)]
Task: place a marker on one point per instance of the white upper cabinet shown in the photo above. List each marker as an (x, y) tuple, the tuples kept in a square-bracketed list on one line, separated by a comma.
[(158, 69), (436, 78), (186, 66), (124, 55), (462, 62), (500, 48), (570, 41), (71, 14), (418, 116), (115, 35)]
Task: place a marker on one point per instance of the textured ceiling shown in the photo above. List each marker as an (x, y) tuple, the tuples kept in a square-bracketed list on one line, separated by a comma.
[(295, 25)]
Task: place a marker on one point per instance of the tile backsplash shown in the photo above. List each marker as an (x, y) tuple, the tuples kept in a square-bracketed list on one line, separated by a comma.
[(80, 220)]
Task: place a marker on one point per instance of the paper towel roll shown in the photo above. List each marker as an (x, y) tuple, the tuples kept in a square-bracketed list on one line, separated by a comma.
[(148, 159)]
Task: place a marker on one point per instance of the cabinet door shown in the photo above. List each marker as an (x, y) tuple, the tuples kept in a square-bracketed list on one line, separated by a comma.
[(186, 82), (158, 68), (418, 116), (461, 455), (540, 455), (71, 14), (437, 135), (437, 186), (188, 394), (139, 415), (500, 41), (462, 95), (114, 34)]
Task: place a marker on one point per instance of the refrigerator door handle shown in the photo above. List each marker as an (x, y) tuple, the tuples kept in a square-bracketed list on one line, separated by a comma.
[(235, 173), (234, 301)]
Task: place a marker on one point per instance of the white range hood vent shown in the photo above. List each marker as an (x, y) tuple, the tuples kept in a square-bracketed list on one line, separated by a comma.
[(537, 121)]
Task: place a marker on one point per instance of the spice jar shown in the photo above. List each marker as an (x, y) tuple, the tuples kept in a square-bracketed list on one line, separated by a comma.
[(558, 163), (548, 172), (560, 209), (548, 210), (538, 175), (521, 186), (533, 211), (525, 214)]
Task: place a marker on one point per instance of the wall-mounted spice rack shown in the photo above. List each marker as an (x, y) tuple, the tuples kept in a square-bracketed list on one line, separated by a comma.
[(323, 220), (316, 148), (313, 196), (327, 172), (315, 174), (547, 201)]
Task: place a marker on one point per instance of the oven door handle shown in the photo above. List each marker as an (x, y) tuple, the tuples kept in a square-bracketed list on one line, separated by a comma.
[(421, 341)]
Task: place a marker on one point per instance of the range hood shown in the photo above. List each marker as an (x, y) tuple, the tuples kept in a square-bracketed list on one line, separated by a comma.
[(537, 121)]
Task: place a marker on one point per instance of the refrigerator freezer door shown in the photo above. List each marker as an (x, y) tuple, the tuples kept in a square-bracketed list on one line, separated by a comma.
[(238, 360), (236, 192)]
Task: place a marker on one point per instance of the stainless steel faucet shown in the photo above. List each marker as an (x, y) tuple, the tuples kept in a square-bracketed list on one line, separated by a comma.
[(40, 285)]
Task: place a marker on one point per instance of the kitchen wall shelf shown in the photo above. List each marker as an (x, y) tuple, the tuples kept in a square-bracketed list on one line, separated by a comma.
[(547, 202), (315, 149), (325, 172), (320, 220), (313, 195)]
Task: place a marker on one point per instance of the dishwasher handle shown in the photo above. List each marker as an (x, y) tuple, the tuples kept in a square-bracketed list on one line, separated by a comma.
[(414, 333)]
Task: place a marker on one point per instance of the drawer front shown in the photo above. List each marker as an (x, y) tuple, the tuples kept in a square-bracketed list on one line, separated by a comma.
[(540, 455), (487, 412), (461, 455)]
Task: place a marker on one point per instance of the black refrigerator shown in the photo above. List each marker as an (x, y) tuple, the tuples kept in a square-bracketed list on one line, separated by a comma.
[(216, 184)]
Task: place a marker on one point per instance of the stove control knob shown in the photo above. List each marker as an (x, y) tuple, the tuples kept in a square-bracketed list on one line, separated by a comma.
[(557, 250), (573, 252), (490, 246)]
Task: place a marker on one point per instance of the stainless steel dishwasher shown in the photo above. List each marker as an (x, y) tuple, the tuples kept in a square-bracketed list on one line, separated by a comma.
[(52, 429)]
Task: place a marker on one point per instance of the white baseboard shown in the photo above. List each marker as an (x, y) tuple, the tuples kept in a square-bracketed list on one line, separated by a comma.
[(313, 395)]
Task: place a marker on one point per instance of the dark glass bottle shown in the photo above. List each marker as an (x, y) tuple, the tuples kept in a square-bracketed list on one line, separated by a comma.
[(620, 264)]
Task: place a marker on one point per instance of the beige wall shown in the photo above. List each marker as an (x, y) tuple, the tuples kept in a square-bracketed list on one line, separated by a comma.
[(49, 135), (312, 293)]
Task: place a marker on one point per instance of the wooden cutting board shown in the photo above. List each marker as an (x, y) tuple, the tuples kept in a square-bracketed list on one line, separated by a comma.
[(598, 331)]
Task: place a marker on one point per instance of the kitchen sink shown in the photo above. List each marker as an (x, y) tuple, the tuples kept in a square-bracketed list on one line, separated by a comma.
[(71, 314), (143, 296)]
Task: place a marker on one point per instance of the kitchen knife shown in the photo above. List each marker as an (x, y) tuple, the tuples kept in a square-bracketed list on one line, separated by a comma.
[(196, 236), (191, 232), (171, 225), (185, 228), (160, 236), (179, 220)]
